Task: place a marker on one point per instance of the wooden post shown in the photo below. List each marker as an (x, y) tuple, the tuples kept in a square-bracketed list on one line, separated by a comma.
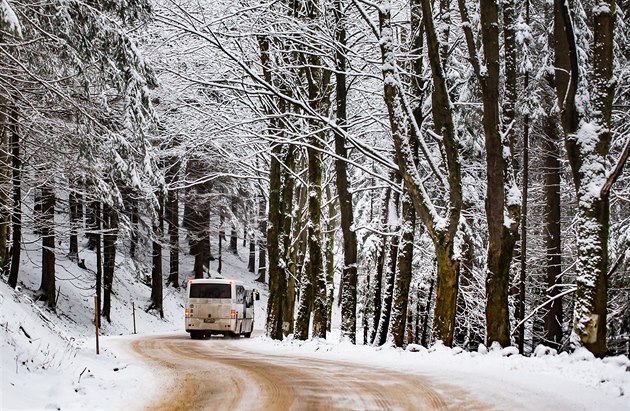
[(96, 321), (133, 308)]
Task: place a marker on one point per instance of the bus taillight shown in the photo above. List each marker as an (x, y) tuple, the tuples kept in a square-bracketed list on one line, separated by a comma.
[(233, 314), (187, 313)]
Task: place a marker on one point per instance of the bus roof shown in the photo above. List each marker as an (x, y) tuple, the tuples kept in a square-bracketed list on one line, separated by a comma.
[(215, 281)]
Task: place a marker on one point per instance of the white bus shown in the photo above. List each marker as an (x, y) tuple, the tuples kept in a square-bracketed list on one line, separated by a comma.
[(219, 306)]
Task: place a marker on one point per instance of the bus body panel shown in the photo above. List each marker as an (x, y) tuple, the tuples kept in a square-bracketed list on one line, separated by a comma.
[(213, 309)]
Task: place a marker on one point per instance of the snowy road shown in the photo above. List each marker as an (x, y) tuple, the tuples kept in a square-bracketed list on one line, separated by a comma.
[(221, 374)]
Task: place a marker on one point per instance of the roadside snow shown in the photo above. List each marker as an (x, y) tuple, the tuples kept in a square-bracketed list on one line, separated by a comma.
[(48, 359), (575, 381)]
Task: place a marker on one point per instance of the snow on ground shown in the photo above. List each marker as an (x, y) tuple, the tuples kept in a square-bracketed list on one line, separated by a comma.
[(575, 381), (48, 360)]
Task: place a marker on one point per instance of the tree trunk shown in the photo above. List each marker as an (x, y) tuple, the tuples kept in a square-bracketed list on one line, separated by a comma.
[(404, 273), (221, 237), (298, 251), (172, 215), (550, 151), (315, 241), (305, 304), (5, 181), (199, 251), (16, 216), (305, 294), (277, 280), (390, 274), (348, 283), (156, 271), (330, 257), (262, 241), (443, 237), (502, 208), (110, 234), (233, 240), (48, 245), (424, 340), (511, 92), (251, 265), (588, 164), (95, 210), (133, 241), (288, 189), (464, 333), (377, 281), (73, 203), (92, 222), (233, 234)]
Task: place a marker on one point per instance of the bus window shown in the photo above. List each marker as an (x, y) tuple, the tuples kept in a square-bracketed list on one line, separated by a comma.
[(200, 290)]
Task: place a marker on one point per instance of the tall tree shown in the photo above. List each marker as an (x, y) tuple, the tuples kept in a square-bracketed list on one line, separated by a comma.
[(503, 199), (393, 227), (404, 272), (587, 140), (349, 272), (157, 277), (172, 217), (442, 229), (48, 244), (110, 234), (16, 217)]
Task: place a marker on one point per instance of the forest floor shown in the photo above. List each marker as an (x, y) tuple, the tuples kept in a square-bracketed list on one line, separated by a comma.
[(48, 359)]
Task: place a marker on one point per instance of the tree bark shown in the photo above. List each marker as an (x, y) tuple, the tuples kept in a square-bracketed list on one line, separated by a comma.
[(551, 158), (233, 234), (133, 241), (48, 245), (349, 272), (251, 264), (73, 203), (110, 234), (502, 206), (221, 238), (156, 271), (305, 304), (377, 281), (5, 181), (172, 210), (92, 222), (288, 189), (330, 257), (262, 241), (277, 280), (588, 164), (95, 210), (390, 274), (16, 216), (404, 273), (511, 95), (314, 229)]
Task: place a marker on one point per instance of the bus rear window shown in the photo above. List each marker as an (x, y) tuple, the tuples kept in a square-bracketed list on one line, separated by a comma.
[(210, 291)]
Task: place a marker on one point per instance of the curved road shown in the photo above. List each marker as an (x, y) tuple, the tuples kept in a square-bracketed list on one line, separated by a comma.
[(218, 374)]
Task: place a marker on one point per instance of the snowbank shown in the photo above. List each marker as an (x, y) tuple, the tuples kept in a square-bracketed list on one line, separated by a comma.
[(548, 380)]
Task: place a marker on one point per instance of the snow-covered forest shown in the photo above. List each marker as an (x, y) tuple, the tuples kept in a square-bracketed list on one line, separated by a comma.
[(390, 173)]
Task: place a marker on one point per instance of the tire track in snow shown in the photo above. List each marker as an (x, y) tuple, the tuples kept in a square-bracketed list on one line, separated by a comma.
[(218, 374)]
